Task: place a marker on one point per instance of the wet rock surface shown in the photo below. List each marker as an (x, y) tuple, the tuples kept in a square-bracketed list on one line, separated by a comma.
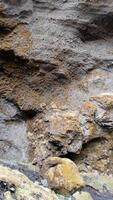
[(56, 95)]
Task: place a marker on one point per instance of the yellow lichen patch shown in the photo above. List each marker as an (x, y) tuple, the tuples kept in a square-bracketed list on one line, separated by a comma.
[(63, 175), (19, 40)]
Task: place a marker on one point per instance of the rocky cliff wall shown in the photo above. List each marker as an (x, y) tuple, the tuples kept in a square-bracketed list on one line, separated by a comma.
[(56, 78)]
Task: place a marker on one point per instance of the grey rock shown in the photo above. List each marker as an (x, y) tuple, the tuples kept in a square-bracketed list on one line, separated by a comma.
[(104, 119)]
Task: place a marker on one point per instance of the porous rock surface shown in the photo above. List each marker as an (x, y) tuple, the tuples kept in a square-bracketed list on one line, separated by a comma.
[(56, 77)]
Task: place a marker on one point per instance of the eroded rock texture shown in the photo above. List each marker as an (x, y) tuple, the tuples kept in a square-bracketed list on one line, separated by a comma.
[(56, 70)]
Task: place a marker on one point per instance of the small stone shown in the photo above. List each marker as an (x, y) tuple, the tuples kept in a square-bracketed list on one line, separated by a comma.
[(82, 196), (104, 118), (62, 175), (44, 183), (30, 134)]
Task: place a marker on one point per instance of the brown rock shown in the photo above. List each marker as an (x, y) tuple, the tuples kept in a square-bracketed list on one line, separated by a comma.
[(18, 41), (65, 132)]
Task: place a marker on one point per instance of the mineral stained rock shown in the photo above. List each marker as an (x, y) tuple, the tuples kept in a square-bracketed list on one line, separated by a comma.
[(62, 175)]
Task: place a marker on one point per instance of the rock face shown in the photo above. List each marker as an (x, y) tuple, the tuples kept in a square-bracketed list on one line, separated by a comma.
[(56, 69), (63, 175)]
